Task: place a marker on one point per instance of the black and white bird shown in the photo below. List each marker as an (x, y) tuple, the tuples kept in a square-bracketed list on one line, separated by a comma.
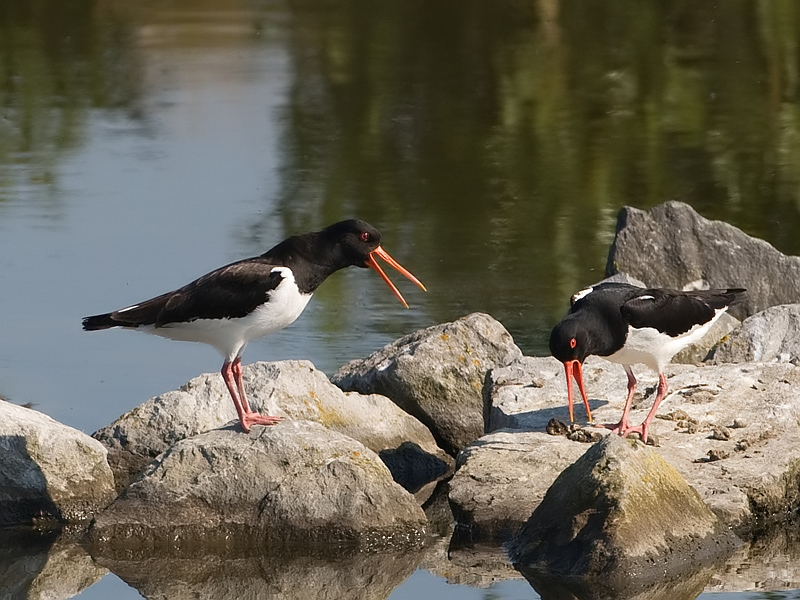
[(629, 325), (251, 298)]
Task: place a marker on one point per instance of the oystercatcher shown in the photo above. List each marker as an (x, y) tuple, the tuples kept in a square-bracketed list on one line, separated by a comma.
[(629, 325), (251, 298)]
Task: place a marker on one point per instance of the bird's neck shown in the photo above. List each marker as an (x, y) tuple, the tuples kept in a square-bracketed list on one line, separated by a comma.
[(305, 256)]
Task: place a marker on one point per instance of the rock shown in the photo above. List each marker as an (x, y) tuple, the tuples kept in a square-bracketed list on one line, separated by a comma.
[(501, 477), (293, 389), (50, 471), (672, 246), (292, 482), (770, 335), (436, 374), (44, 565), (619, 509)]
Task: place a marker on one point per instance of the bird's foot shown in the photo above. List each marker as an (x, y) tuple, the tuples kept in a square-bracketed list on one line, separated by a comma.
[(624, 429), (254, 418)]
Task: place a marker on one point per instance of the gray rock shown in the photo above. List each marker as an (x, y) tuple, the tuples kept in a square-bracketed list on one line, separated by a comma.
[(619, 509), (293, 481), (772, 334), (501, 477), (50, 471), (293, 389), (672, 246), (436, 374)]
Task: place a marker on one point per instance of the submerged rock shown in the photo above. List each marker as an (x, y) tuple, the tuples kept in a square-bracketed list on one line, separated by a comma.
[(672, 246), (50, 471), (295, 481), (620, 509), (436, 374), (501, 477), (293, 389)]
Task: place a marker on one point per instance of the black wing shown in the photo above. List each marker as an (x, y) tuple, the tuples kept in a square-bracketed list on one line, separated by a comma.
[(231, 291), (673, 312)]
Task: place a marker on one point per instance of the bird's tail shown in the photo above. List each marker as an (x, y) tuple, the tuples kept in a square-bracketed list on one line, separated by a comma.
[(97, 322)]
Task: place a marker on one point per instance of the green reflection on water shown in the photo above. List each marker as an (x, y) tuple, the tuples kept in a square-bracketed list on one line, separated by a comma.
[(492, 142)]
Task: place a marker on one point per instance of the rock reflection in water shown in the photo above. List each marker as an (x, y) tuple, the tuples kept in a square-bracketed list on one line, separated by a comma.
[(319, 572), (36, 565), (688, 587)]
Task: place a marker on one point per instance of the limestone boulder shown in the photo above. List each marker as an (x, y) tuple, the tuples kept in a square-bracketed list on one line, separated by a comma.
[(436, 374), (293, 389), (770, 335), (620, 509), (673, 246), (292, 482), (731, 430), (50, 472)]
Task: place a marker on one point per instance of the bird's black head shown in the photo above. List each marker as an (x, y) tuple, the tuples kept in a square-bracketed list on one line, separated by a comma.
[(569, 342), (351, 242), (344, 244)]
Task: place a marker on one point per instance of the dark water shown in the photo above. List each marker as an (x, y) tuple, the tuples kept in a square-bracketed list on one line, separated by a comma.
[(143, 144)]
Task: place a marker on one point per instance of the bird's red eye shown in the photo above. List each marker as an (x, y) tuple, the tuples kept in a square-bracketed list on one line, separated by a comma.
[(365, 236), (573, 342)]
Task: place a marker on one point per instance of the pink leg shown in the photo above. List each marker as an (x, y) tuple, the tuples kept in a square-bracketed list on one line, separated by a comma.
[(230, 383), (236, 367), (232, 375), (622, 427), (644, 428)]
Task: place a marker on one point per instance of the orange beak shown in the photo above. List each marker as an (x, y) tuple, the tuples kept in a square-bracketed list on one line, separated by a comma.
[(574, 368), (371, 262)]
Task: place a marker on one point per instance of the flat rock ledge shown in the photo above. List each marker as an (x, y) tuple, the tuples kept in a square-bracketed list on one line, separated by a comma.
[(50, 472), (294, 389), (620, 515), (226, 491), (731, 430), (436, 374)]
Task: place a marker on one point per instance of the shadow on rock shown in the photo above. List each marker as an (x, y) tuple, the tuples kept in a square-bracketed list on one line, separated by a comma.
[(412, 467)]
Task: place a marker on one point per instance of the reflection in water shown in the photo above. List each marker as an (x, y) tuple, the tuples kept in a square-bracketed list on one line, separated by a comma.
[(322, 573), (499, 140), (58, 61), (44, 564)]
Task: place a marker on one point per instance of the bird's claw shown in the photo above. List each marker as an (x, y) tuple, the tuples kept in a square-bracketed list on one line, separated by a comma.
[(255, 418)]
